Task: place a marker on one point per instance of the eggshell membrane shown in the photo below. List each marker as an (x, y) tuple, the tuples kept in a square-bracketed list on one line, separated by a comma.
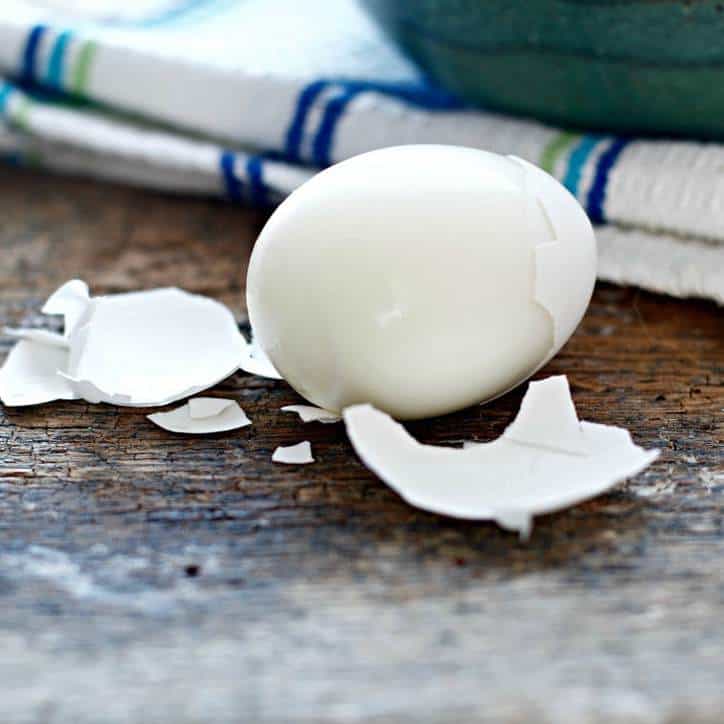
[(407, 278)]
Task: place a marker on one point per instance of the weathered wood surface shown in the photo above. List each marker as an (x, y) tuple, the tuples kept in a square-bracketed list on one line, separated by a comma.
[(147, 577)]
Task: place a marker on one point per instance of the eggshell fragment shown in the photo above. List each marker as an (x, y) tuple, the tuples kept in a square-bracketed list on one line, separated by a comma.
[(523, 473), (420, 279), (30, 375), (202, 415), (532, 426), (309, 413), (203, 408), (44, 336), (565, 255), (71, 301), (299, 454), (138, 349), (152, 348), (256, 362)]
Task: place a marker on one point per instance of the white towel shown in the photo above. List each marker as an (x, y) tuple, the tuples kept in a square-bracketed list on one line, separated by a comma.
[(246, 98)]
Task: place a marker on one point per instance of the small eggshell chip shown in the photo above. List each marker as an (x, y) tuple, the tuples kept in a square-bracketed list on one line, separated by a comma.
[(527, 471), (299, 454), (309, 413), (202, 415), (420, 279)]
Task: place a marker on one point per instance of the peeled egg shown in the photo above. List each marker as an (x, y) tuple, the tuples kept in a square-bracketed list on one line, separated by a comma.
[(420, 279)]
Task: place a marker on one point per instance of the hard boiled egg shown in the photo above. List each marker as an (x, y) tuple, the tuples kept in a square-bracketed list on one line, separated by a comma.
[(420, 279)]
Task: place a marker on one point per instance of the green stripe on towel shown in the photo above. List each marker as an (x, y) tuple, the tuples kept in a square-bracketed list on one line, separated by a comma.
[(81, 70), (18, 116), (554, 148)]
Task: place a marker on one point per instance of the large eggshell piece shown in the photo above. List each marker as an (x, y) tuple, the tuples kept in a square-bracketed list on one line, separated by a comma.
[(420, 279)]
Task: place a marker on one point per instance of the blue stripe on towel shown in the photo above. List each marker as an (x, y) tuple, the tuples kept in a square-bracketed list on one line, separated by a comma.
[(5, 91), (257, 187), (232, 184), (420, 94), (57, 59), (415, 94), (577, 161), (597, 193), (30, 54), (295, 133), (322, 147)]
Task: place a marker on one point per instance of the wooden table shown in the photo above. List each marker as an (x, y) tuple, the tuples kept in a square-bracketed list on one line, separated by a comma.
[(149, 577)]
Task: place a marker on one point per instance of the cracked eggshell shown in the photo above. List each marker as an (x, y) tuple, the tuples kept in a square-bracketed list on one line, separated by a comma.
[(31, 375), (139, 349), (71, 301), (152, 348), (255, 362), (420, 279), (43, 336), (201, 416), (545, 460)]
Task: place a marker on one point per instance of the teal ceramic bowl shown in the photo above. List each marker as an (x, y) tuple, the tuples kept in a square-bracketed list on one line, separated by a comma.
[(630, 66)]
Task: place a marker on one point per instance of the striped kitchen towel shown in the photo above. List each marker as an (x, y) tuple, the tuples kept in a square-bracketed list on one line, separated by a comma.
[(246, 98)]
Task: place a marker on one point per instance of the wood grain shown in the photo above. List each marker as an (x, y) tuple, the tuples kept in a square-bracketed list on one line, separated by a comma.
[(151, 577)]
